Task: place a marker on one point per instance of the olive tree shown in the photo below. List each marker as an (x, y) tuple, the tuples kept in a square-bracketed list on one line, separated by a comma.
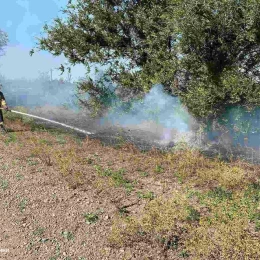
[(210, 48)]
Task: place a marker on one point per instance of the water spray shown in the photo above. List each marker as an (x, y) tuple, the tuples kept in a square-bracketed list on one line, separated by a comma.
[(52, 121)]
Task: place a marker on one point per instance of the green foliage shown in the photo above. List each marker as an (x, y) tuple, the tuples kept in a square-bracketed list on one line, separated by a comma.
[(211, 45)]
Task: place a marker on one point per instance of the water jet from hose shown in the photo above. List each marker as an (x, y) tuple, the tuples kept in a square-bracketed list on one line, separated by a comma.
[(52, 121)]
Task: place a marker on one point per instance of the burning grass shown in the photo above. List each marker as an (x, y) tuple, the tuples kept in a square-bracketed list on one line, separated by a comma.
[(183, 204)]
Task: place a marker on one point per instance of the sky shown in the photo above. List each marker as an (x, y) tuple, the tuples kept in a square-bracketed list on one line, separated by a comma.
[(23, 20)]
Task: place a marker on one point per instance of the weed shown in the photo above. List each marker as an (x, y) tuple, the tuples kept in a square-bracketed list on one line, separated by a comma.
[(184, 254), (179, 177), (32, 162), (3, 183), (39, 231), (43, 152), (30, 246), (121, 141), (123, 211), (148, 195), (6, 236), (158, 168), (5, 167), (253, 192), (61, 140), (68, 235), (172, 243), (12, 138), (194, 215), (89, 160), (129, 187), (57, 248), (144, 174), (116, 176), (43, 240), (22, 205), (82, 258), (257, 226), (110, 163), (91, 218), (44, 141), (220, 193), (19, 176)]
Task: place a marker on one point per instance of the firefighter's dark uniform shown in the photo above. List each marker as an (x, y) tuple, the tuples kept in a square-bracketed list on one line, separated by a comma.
[(3, 105)]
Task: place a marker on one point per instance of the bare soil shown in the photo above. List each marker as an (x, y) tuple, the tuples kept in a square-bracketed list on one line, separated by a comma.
[(42, 211)]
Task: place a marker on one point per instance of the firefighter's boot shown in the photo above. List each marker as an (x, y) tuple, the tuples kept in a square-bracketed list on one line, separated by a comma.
[(2, 129)]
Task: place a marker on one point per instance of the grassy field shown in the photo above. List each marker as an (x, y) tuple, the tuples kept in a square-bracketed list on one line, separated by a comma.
[(128, 204)]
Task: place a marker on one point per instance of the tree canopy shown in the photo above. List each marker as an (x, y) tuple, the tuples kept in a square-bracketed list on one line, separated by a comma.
[(211, 47)]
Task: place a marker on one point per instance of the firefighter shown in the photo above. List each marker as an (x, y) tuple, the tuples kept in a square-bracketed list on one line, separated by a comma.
[(3, 106)]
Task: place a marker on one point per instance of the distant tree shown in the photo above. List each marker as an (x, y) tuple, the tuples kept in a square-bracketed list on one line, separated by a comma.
[(211, 47), (3, 41)]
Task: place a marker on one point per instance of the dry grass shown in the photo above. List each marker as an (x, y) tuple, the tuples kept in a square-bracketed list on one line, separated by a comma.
[(197, 208)]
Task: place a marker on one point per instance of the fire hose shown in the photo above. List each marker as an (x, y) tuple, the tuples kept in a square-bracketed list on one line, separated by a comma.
[(48, 120)]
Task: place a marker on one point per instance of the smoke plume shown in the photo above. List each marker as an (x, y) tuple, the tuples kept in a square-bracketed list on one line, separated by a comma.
[(158, 119)]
